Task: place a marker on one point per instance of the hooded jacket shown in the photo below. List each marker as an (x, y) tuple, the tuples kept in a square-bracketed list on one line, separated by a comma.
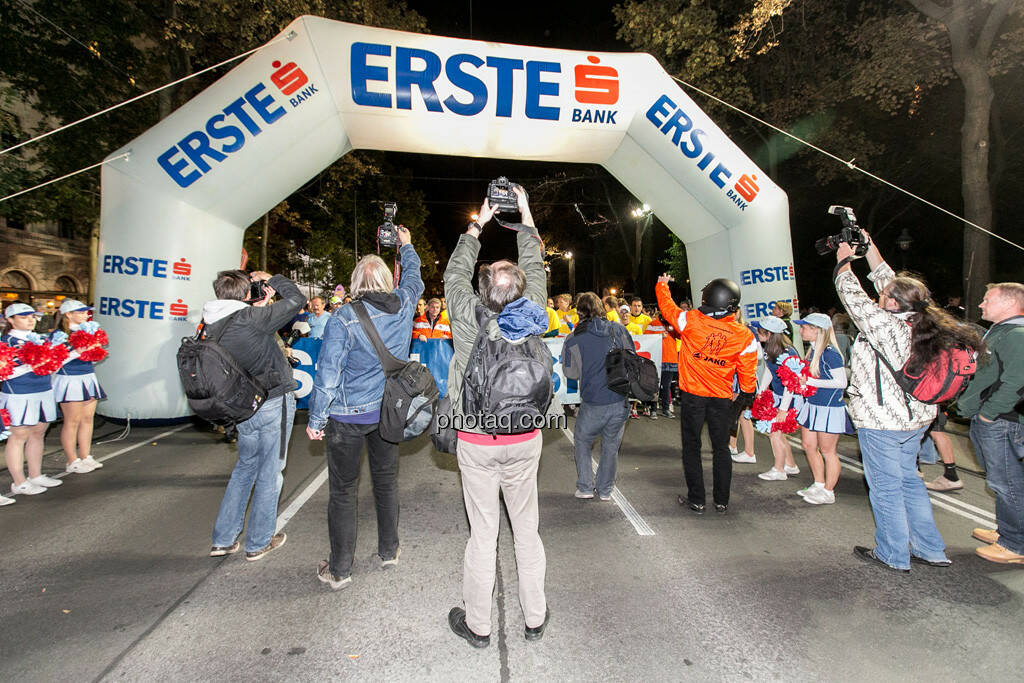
[(583, 358), (349, 379), (515, 322), (248, 334), (998, 384)]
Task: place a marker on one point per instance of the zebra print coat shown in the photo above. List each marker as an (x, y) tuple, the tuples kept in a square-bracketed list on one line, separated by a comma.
[(873, 398)]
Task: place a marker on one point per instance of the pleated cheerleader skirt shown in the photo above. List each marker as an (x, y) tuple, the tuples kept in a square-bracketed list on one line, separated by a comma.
[(71, 388), (29, 409), (827, 419)]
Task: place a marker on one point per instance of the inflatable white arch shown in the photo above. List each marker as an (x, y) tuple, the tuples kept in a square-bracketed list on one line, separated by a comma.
[(174, 211)]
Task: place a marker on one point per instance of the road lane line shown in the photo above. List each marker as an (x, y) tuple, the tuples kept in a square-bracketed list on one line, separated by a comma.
[(104, 458), (639, 523), (301, 499), (939, 499)]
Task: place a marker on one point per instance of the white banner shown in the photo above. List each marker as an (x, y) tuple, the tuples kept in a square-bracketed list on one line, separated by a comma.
[(567, 390)]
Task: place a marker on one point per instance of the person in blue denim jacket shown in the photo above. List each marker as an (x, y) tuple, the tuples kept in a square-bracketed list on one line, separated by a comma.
[(345, 405)]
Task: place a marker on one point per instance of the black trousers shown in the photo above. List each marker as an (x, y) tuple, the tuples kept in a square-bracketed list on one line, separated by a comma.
[(344, 460), (694, 411)]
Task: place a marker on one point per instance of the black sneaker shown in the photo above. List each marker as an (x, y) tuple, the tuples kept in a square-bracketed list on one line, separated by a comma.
[(536, 632), (457, 622), (868, 555), (696, 507), (721, 509), (914, 559)]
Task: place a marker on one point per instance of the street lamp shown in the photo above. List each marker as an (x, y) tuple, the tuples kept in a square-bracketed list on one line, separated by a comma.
[(572, 272), (904, 242)]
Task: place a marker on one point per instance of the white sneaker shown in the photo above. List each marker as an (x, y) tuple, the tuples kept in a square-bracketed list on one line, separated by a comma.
[(820, 496), (804, 491), (27, 488), (814, 486), (773, 475), (43, 480), (92, 463), (79, 466), (791, 470), (585, 495), (733, 451), (4, 500), (743, 458)]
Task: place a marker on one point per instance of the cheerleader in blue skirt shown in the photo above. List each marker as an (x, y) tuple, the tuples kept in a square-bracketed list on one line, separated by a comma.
[(823, 415), (76, 389), (28, 398)]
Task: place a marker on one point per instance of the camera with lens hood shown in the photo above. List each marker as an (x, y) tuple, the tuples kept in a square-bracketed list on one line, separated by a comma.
[(849, 233)]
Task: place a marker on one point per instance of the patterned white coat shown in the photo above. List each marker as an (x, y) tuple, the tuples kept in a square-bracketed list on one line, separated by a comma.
[(890, 334)]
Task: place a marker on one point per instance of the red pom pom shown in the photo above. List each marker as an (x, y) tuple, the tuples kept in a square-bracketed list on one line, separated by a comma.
[(89, 345), (94, 354), (764, 406), (7, 356), (791, 380), (787, 425), (44, 358), (5, 417)]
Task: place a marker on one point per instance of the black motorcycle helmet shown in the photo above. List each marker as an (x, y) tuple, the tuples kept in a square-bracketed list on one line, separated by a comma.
[(721, 294)]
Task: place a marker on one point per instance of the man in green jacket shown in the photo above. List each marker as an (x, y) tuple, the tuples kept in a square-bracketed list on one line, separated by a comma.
[(992, 401)]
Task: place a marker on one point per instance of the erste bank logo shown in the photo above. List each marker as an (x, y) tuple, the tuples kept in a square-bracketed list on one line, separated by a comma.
[(144, 266), (242, 119), (393, 77), (673, 122), (143, 309)]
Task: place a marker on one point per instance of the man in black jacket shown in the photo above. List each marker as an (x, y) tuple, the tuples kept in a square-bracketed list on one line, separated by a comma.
[(248, 334)]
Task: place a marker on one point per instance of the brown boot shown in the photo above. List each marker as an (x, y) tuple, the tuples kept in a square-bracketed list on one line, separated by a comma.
[(989, 536), (997, 553)]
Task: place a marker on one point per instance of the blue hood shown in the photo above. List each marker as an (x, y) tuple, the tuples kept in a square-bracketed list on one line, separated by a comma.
[(522, 318)]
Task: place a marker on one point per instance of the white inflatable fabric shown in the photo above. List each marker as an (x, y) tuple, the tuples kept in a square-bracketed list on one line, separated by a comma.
[(174, 212)]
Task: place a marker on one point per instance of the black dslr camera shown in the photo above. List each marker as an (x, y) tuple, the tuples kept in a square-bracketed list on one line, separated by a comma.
[(387, 234), (850, 233), (501, 195), (257, 290)]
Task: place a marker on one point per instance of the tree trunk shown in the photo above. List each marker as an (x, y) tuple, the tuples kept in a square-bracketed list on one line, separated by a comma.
[(94, 252), (972, 34), (263, 246), (974, 150)]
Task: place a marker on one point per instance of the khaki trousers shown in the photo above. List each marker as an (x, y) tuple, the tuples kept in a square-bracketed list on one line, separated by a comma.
[(512, 470)]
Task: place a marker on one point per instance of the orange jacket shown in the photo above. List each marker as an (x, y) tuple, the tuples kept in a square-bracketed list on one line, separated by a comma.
[(669, 336), (712, 350), (441, 329)]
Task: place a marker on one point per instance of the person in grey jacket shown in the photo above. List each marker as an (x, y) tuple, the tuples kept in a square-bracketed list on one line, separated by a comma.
[(502, 464), (602, 411), (249, 334), (992, 400)]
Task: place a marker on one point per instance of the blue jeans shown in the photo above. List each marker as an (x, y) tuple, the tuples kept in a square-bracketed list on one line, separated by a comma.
[(260, 464), (903, 512), (999, 447), (609, 422), (669, 373)]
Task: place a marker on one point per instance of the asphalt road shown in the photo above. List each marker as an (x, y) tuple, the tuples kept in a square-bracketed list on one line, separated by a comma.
[(107, 578)]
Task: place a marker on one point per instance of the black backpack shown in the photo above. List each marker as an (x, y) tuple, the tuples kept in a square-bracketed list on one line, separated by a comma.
[(219, 390), (630, 374), (410, 392), (507, 387)]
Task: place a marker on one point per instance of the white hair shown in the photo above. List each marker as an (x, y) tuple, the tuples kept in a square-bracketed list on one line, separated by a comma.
[(371, 274)]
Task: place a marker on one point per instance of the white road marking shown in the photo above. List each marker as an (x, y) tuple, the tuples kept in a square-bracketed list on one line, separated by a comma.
[(639, 523), (154, 439), (301, 499), (941, 500)]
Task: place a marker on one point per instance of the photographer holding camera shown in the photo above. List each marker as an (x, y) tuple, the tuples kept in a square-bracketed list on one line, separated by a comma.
[(345, 405), (506, 320), (249, 334), (905, 324)]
